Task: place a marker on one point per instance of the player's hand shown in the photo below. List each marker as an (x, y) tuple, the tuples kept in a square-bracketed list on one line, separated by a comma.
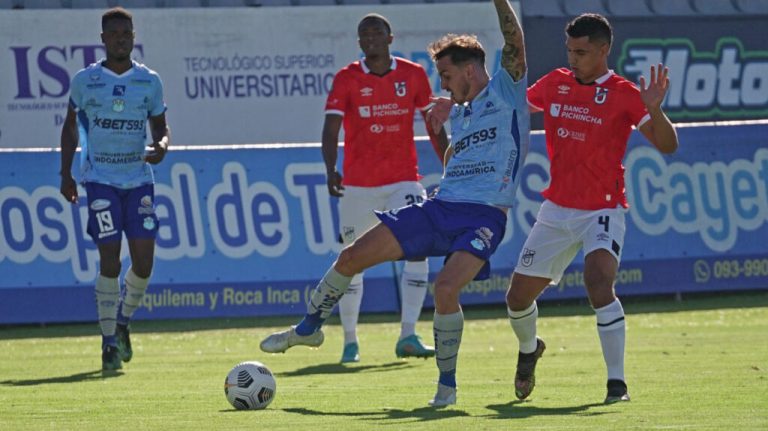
[(653, 94), (439, 113), (68, 188), (334, 184), (155, 152)]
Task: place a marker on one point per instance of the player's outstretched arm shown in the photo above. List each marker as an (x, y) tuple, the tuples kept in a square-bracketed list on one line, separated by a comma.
[(69, 138), (659, 130), (513, 53)]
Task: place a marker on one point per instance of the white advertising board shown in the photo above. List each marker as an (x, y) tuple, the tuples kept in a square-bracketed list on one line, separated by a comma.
[(231, 76)]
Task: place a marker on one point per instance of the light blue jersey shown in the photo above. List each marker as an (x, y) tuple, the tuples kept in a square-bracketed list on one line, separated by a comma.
[(489, 138), (112, 112)]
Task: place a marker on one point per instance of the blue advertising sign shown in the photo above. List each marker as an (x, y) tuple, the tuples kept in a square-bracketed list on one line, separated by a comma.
[(249, 230)]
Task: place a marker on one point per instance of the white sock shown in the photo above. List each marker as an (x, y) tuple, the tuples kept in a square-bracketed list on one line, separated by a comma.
[(107, 300), (524, 324), (413, 290), (328, 293), (135, 287), (611, 329), (448, 329), (349, 308)]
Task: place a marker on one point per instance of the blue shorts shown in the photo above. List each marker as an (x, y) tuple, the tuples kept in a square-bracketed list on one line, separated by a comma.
[(112, 211), (439, 228)]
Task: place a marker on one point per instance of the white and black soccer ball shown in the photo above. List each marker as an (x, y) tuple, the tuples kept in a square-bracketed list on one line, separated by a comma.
[(250, 386)]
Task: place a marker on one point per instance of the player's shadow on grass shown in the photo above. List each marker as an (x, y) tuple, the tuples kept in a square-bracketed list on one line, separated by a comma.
[(344, 369), (420, 414), (523, 409), (73, 378)]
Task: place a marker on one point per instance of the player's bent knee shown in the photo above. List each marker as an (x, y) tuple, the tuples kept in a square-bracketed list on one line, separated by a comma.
[(523, 290), (446, 297), (348, 261), (516, 301), (599, 282)]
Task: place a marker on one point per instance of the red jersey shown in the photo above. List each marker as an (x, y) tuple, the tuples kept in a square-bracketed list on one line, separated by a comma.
[(378, 121), (587, 128)]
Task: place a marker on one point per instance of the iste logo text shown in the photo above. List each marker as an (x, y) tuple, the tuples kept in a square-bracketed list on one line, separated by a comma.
[(45, 72)]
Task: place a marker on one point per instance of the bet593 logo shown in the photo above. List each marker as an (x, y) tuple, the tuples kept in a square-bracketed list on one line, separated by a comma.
[(729, 82)]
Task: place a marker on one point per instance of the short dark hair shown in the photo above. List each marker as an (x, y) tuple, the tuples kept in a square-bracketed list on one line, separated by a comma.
[(593, 25), (115, 13), (461, 48), (376, 17)]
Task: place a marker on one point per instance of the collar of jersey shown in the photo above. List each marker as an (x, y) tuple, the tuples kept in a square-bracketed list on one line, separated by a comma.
[(109, 72), (392, 65), (605, 77), (598, 81)]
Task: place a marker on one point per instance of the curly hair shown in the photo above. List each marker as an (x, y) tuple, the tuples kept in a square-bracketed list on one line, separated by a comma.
[(115, 13), (461, 48)]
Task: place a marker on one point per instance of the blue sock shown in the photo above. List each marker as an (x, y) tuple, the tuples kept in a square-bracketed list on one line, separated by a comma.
[(448, 379), (108, 340), (309, 324), (122, 320)]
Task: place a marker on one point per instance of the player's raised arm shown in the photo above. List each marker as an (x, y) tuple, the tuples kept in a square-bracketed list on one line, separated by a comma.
[(513, 53), (659, 130)]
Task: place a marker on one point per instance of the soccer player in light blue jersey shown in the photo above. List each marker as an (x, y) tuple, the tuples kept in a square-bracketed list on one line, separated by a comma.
[(466, 220), (110, 102)]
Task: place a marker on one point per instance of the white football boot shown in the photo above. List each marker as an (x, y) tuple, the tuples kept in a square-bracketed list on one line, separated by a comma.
[(279, 342), (445, 396)]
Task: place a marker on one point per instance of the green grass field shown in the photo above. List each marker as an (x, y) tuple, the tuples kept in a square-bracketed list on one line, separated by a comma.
[(696, 364)]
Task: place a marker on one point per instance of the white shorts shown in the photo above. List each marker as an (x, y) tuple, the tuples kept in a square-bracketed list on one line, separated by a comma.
[(357, 205), (560, 232)]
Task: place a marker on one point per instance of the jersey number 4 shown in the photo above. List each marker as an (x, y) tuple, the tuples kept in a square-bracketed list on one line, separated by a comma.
[(604, 220)]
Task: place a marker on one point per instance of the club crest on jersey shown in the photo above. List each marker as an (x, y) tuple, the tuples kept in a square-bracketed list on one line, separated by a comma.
[(527, 258), (600, 95), (554, 109), (118, 105), (467, 117), (400, 89), (118, 90), (149, 223), (349, 234)]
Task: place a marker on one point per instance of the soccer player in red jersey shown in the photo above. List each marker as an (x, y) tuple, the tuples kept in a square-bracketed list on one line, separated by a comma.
[(589, 112), (375, 98)]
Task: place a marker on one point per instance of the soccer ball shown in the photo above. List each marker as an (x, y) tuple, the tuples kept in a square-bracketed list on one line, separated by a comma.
[(250, 386)]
